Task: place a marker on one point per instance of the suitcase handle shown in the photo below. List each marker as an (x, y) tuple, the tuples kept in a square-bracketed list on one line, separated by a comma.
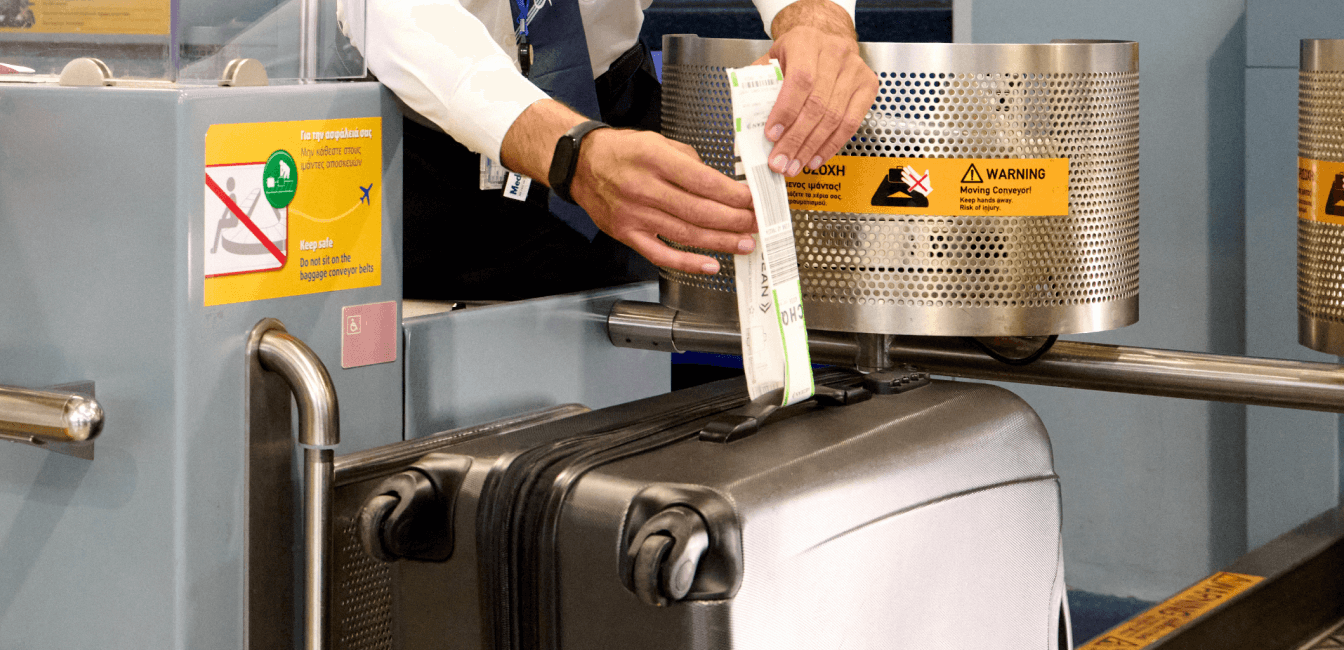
[(747, 421)]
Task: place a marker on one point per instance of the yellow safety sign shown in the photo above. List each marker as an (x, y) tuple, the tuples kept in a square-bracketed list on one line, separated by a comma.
[(1320, 190), (87, 16), (1167, 617), (292, 208), (992, 187)]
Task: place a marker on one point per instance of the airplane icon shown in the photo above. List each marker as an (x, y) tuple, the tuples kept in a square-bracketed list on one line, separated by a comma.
[(365, 198)]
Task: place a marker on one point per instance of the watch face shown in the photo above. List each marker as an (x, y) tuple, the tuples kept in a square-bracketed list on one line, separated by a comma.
[(565, 160), (562, 165), (567, 147)]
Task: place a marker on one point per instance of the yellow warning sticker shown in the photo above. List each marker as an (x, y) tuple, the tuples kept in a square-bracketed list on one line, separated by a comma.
[(999, 187), (86, 16), (1167, 617), (292, 208), (1320, 190)]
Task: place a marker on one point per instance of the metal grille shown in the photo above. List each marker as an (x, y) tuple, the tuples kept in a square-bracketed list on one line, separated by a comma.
[(956, 275), (361, 616), (698, 110), (1320, 270), (1320, 117), (1320, 246)]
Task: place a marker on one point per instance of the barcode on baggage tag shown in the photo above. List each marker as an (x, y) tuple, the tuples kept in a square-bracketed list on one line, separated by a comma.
[(776, 208), (760, 83), (779, 249)]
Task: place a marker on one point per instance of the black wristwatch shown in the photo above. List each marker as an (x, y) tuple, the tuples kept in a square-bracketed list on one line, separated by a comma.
[(565, 160)]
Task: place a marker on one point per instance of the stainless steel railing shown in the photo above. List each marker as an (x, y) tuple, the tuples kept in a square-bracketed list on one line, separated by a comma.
[(1114, 368), (64, 419), (319, 430)]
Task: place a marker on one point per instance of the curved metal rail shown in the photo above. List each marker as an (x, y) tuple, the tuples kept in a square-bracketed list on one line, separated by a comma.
[(319, 430)]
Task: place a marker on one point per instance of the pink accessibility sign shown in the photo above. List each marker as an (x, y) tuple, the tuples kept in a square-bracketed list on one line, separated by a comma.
[(368, 334)]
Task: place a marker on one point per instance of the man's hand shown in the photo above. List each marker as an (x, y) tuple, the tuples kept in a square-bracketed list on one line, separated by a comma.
[(637, 185), (827, 88)]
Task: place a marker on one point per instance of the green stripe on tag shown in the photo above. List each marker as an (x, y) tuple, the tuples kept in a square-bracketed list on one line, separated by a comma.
[(811, 380), (739, 125), (783, 343), (779, 74), (734, 77)]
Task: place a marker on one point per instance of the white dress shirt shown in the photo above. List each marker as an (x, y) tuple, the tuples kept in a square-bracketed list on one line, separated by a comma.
[(455, 62)]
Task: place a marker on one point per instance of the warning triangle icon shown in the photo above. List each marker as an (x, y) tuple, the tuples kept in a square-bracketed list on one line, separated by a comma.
[(972, 176)]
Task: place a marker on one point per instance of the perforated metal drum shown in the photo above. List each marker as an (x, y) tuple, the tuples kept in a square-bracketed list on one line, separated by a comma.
[(951, 274), (1320, 223)]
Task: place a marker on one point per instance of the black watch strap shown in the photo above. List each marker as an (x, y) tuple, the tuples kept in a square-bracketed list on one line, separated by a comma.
[(565, 160)]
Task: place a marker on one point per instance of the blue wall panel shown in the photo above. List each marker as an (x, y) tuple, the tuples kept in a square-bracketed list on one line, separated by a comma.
[(1154, 488)]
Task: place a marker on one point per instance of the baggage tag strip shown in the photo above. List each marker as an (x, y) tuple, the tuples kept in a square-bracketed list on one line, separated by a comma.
[(769, 295)]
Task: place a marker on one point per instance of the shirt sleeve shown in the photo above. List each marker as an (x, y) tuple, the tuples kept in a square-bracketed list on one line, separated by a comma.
[(769, 8), (441, 61)]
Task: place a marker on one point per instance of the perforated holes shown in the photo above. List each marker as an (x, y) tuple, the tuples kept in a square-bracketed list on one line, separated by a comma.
[(955, 262), (1320, 263)]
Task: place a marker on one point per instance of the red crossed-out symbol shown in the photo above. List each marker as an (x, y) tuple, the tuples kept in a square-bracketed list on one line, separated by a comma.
[(246, 221), (917, 182)]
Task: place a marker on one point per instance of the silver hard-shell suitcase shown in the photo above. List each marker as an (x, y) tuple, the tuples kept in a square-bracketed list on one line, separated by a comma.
[(925, 519)]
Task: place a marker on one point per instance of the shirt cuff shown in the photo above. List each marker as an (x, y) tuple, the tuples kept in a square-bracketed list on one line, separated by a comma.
[(442, 63), (487, 102)]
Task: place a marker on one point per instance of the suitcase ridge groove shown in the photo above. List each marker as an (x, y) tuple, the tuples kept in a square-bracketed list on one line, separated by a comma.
[(933, 502)]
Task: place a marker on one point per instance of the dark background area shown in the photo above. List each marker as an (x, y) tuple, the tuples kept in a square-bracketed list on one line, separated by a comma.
[(904, 21)]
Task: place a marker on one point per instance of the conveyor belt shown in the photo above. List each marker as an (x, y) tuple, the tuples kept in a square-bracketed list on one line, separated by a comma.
[(1285, 595)]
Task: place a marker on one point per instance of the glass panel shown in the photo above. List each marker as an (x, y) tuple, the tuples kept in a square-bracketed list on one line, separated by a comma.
[(272, 32)]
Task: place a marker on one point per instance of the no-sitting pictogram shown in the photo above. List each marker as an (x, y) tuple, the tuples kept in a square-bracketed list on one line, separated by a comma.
[(245, 240)]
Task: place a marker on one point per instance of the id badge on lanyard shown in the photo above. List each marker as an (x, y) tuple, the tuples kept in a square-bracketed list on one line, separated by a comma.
[(493, 175)]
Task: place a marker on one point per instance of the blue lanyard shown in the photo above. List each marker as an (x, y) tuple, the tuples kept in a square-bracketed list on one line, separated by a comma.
[(522, 17), (524, 45)]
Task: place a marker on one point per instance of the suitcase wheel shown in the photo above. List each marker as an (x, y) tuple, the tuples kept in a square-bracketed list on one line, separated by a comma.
[(668, 549)]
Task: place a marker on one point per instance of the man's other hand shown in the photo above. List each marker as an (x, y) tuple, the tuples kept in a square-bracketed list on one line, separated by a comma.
[(827, 88)]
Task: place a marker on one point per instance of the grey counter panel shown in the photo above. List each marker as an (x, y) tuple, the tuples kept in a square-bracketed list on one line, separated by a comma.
[(475, 365), (101, 200)]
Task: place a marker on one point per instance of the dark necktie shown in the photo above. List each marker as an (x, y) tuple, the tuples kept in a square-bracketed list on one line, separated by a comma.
[(561, 67)]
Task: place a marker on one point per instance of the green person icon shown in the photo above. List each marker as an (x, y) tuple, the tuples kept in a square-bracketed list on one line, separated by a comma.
[(280, 179)]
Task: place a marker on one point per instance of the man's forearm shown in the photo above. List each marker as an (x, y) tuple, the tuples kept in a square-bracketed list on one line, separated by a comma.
[(827, 86), (820, 14), (530, 141)]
